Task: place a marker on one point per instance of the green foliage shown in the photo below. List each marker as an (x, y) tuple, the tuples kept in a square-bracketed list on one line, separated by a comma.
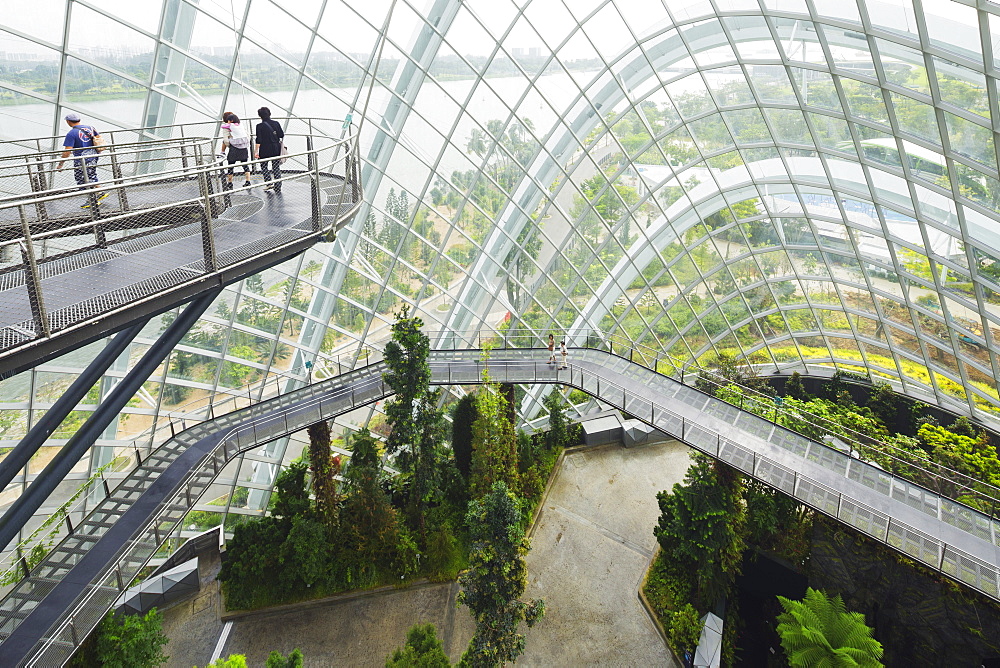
[(558, 434), (232, 661), (494, 443), (125, 641), (795, 389), (303, 554), (323, 467), (417, 422), (776, 521), (975, 457), (684, 629), (727, 367), (701, 527), (409, 377), (369, 523), (884, 403), (276, 660), (423, 649), (463, 416), (444, 555), (291, 497), (819, 631), (496, 579)]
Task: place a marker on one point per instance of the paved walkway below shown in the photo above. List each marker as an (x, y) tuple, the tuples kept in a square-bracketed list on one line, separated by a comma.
[(589, 552)]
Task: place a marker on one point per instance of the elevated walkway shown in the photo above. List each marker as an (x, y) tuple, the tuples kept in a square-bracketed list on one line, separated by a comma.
[(74, 269), (51, 611)]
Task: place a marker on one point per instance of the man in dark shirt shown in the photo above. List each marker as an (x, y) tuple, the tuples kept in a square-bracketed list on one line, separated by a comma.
[(80, 142)]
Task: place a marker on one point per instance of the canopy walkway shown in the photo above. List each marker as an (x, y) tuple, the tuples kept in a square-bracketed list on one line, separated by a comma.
[(50, 612), (160, 227)]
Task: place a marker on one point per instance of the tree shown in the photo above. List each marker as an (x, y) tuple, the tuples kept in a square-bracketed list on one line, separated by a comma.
[(368, 521), (477, 143), (795, 388), (733, 369), (409, 377), (417, 422), (494, 443), (462, 418), (496, 580), (558, 435), (701, 526), (818, 631), (291, 498), (423, 649), (125, 641), (975, 457), (324, 469), (293, 660)]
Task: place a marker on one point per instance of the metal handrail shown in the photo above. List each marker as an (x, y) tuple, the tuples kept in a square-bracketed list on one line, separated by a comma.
[(243, 435), (150, 130), (31, 248), (682, 371), (148, 180)]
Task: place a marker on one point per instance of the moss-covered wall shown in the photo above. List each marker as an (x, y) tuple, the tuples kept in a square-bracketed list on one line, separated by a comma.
[(920, 619)]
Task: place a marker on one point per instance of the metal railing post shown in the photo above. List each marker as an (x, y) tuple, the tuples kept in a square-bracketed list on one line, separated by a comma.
[(116, 173), (32, 280), (207, 239), (314, 190), (41, 184)]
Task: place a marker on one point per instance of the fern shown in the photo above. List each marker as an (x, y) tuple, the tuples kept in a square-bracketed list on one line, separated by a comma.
[(819, 632)]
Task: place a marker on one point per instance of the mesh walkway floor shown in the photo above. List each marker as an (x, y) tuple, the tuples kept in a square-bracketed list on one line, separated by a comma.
[(140, 276), (50, 612)]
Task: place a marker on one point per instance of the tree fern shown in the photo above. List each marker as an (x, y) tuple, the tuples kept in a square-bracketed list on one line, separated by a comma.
[(819, 632)]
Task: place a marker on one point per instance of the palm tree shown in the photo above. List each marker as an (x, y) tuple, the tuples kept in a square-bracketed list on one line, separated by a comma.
[(477, 143), (819, 631)]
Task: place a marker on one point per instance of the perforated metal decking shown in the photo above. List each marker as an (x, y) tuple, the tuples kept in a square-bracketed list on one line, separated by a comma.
[(50, 612), (77, 264)]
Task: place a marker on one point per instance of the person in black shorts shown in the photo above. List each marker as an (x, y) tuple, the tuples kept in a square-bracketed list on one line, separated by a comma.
[(236, 146)]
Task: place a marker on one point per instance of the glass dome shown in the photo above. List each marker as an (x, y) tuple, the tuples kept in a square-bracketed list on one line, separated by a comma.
[(805, 184)]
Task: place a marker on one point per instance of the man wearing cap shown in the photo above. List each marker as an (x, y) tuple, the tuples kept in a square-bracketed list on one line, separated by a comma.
[(80, 142)]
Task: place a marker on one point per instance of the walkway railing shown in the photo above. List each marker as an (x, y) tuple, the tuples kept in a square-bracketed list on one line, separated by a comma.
[(120, 536), (982, 496), (162, 215)]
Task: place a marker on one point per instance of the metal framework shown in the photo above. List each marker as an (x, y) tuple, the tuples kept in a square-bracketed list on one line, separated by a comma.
[(162, 224), (47, 615), (810, 184)]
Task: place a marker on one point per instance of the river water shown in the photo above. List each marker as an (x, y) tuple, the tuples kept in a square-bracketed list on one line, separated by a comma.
[(441, 109)]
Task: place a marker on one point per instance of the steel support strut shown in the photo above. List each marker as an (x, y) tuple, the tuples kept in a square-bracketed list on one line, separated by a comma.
[(31, 500), (17, 458)]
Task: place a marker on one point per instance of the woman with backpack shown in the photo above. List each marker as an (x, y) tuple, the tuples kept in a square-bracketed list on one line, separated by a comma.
[(269, 137), (237, 141)]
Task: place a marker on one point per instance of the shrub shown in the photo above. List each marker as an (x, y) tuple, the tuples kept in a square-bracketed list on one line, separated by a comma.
[(423, 649), (684, 629), (277, 660), (232, 661), (125, 641)]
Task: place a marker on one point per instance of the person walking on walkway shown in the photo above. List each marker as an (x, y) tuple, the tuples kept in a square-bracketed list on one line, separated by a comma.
[(552, 349), (269, 137), (563, 352), (236, 146), (83, 142)]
